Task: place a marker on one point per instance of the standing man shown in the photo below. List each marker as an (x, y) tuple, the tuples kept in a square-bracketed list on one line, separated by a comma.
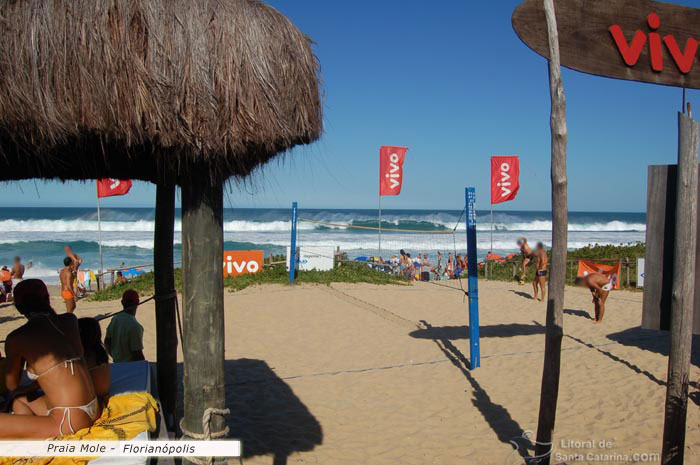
[(67, 292), (600, 287), (124, 338), (528, 257), (541, 273), (18, 269)]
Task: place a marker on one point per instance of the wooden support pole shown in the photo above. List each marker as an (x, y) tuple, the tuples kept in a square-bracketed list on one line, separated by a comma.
[(683, 293), (166, 323), (203, 301), (555, 303)]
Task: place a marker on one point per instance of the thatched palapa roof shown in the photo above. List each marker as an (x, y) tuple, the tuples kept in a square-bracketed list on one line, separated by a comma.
[(137, 88)]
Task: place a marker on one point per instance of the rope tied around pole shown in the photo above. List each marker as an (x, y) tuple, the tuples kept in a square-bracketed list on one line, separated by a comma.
[(207, 434)]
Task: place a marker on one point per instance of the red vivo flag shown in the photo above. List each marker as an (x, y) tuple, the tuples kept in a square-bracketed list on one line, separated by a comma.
[(505, 179), (112, 187), (391, 170)]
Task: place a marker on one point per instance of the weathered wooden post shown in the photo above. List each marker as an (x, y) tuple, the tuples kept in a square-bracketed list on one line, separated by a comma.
[(203, 301), (549, 393), (166, 324), (682, 300)]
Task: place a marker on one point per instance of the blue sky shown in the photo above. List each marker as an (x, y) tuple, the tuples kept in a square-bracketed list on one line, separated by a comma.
[(452, 82)]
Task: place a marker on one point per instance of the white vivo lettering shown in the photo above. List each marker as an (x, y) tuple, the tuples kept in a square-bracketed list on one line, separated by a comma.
[(392, 175), (240, 267), (505, 180), (115, 184)]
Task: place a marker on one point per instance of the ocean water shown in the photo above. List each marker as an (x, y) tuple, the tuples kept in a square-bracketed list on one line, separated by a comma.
[(39, 234)]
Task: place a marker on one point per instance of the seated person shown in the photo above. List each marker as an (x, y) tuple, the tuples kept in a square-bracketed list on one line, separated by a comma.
[(48, 347), (124, 339), (120, 278), (95, 355)]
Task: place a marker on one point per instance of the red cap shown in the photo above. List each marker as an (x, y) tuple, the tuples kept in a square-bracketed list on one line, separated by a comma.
[(130, 298)]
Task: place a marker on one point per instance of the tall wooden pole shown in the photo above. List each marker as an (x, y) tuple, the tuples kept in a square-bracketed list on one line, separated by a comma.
[(166, 323), (203, 300), (560, 221), (682, 297)]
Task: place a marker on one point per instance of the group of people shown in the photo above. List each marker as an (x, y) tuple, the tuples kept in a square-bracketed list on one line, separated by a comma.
[(66, 363), (421, 268), (14, 275), (597, 283)]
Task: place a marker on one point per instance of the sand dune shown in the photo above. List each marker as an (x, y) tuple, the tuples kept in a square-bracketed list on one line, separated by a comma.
[(352, 374)]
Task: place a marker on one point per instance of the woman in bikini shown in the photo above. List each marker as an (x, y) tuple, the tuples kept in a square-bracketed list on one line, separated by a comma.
[(48, 347)]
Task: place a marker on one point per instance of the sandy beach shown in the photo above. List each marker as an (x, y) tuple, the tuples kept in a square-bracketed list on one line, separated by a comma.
[(356, 373)]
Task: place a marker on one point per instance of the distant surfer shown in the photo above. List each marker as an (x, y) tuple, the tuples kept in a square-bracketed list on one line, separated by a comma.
[(600, 287), (67, 291), (541, 272), (528, 257)]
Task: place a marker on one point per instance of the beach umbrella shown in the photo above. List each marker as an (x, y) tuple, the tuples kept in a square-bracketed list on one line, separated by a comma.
[(176, 92)]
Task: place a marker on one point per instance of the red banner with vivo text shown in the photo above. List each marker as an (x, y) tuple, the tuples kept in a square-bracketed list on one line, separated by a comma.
[(112, 187), (505, 179), (391, 170), (612, 272)]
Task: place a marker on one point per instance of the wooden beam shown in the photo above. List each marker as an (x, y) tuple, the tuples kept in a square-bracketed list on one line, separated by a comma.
[(203, 300), (560, 221), (682, 297), (166, 323)]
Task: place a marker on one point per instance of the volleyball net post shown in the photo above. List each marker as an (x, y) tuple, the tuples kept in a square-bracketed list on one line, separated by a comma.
[(473, 281), (293, 245)]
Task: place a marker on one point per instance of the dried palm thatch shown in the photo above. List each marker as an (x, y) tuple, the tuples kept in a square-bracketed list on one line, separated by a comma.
[(144, 88)]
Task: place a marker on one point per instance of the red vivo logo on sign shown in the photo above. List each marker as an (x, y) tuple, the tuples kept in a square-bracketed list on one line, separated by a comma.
[(241, 262), (505, 179), (631, 52), (391, 170)]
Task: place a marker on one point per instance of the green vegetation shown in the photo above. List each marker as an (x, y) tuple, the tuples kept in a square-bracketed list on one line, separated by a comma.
[(143, 284), (277, 274), (348, 273), (606, 254)]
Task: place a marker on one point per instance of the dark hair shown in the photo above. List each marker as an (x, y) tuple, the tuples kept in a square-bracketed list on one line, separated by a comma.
[(91, 338), (540, 245), (402, 252), (119, 273), (32, 296), (68, 261), (578, 280), (17, 258)]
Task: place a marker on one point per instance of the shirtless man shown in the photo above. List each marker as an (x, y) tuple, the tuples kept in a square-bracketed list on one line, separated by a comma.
[(67, 291), (18, 269), (541, 273), (528, 256), (600, 287)]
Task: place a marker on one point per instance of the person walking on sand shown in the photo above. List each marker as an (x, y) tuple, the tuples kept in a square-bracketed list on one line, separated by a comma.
[(67, 292), (528, 257), (600, 287), (541, 273)]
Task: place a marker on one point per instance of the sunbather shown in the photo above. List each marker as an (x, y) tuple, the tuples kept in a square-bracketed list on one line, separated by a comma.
[(48, 347)]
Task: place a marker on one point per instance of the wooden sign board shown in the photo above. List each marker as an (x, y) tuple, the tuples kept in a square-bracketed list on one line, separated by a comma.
[(636, 40), (658, 263)]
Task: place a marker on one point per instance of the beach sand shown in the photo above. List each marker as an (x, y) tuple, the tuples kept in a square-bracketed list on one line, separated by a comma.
[(364, 374)]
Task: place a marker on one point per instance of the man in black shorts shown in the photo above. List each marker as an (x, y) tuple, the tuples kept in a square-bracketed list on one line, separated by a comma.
[(528, 257), (541, 273)]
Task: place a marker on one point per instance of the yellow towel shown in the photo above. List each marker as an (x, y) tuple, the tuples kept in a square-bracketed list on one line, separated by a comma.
[(124, 418)]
